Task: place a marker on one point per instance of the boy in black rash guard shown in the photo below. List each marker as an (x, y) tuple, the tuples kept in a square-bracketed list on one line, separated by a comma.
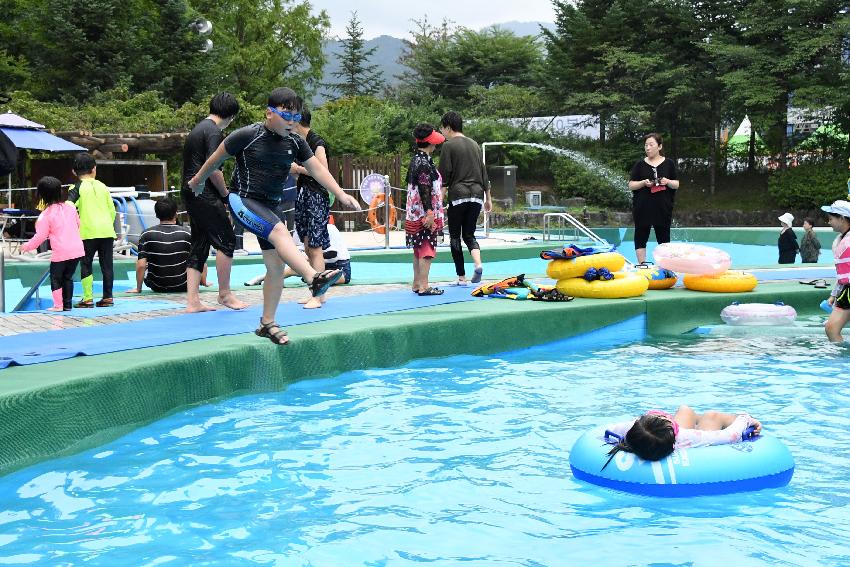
[(264, 154), (210, 225)]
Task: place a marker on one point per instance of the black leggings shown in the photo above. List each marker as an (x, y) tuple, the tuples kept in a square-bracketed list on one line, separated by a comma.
[(662, 235), (103, 248), (62, 277), (462, 221)]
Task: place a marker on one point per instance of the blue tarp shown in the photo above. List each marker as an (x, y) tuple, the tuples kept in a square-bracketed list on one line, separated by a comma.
[(25, 139), (47, 346)]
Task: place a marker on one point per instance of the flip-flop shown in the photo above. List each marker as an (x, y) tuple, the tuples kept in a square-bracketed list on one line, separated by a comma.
[(821, 285), (810, 282), (105, 302), (323, 281), (430, 291), (85, 304)]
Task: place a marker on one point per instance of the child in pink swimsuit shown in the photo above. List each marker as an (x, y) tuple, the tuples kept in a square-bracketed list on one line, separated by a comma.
[(60, 223), (839, 220), (656, 434)]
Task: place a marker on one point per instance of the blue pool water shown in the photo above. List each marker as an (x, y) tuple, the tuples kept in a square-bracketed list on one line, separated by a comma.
[(450, 461)]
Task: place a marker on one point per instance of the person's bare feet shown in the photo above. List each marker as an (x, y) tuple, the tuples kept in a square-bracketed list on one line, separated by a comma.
[(205, 283), (231, 301), (314, 302), (198, 307), (54, 309)]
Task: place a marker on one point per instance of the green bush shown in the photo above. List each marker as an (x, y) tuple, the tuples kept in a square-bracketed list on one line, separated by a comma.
[(808, 186), (574, 180)]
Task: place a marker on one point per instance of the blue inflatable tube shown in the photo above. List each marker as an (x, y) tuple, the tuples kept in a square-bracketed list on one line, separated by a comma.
[(763, 462)]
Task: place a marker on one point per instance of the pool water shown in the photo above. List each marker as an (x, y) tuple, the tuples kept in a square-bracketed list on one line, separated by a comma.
[(449, 461)]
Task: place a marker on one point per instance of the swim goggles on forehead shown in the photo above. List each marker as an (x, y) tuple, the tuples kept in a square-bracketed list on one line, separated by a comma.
[(668, 417), (286, 115)]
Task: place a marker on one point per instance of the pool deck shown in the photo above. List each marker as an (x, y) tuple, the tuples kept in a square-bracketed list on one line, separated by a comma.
[(64, 406)]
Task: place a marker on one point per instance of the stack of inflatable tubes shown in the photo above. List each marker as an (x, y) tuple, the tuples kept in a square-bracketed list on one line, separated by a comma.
[(705, 268), (568, 274), (763, 462)]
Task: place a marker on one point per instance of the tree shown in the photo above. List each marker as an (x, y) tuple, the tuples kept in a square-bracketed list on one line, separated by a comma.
[(594, 66), (783, 48), (259, 45), (356, 76), (78, 48), (448, 62)]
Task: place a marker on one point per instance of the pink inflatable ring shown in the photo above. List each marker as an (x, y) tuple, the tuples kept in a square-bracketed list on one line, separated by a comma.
[(758, 314), (692, 258)]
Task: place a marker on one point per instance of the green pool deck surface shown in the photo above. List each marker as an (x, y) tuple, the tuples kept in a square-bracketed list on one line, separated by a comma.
[(57, 408)]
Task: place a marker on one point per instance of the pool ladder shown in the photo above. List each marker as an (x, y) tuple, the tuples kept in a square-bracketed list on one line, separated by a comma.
[(567, 222)]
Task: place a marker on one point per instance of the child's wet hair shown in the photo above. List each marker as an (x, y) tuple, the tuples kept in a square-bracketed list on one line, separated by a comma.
[(651, 438)]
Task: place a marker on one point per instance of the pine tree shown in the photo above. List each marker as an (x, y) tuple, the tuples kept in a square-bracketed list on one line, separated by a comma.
[(356, 76)]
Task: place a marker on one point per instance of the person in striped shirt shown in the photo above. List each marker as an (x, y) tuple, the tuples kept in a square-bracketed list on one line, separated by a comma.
[(163, 252)]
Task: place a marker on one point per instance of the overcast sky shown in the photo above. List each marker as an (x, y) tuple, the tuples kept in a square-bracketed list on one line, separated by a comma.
[(393, 17)]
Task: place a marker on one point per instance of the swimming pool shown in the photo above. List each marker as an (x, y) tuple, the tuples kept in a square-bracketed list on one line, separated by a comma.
[(443, 461)]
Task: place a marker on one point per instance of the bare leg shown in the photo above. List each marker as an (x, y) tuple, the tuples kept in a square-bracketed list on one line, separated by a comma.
[(316, 258), (686, 417), (837, 320), (416, 284), (476, 257), (193, 299), (640, 253), (272, 285), (424, 272), (289, 253), (204, 281), (223, 263), (715, 420)]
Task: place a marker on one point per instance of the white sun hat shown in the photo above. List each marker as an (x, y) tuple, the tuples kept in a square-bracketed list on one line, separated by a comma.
[(787, 218)]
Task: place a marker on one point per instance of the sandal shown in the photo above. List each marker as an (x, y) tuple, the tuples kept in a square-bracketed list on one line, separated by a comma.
[(105, 302), (278, 337), (85, 304), (322, 281), (430, 291)]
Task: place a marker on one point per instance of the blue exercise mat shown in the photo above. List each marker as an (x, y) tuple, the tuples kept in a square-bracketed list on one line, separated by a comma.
[(35, 348), (122, 306)]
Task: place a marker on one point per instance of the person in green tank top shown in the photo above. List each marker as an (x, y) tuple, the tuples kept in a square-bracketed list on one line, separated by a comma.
[(97, 228)]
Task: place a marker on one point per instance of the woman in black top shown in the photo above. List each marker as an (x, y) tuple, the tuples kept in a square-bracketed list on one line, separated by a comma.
[(653, 182), (787, 240)]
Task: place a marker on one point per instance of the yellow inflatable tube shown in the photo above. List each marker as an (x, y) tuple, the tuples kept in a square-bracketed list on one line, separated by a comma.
[(728, 282), (623, 285), (576, 267)]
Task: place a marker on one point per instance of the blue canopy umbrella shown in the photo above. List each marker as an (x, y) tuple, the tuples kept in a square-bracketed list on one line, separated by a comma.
[(28, 135)]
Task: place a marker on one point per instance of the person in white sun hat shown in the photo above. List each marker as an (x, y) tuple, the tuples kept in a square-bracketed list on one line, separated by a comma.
[(787, 240), (839, 299)]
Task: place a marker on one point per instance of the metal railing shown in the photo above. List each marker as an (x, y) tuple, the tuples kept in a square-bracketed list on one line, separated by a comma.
[(566, 222), (34, 290)]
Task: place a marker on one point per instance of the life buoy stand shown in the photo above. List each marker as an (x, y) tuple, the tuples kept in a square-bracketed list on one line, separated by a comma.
[(376, 205)]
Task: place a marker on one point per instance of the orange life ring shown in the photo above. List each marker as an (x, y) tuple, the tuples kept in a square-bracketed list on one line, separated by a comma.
[(377, 204)]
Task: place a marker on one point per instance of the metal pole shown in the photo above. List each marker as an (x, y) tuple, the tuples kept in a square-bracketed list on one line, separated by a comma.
[(387, 210), (2, 280)]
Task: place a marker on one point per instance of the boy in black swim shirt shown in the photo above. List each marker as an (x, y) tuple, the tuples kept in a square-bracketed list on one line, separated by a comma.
[(264, 154)]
